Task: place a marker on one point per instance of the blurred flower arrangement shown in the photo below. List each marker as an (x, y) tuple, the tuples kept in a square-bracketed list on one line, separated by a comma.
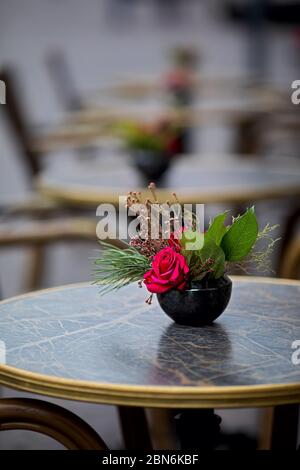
[(152, 146), (161, 137), (179, 81), (178, 258)]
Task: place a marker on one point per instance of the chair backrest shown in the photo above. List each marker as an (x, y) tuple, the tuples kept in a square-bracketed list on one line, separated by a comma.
[(17, 120), (290, 267), (63, 82)]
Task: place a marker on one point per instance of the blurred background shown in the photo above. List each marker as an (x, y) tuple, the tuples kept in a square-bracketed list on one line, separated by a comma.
[(104, 96)]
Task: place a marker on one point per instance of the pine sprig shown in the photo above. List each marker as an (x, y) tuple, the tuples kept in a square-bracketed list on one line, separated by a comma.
[(117, 268)]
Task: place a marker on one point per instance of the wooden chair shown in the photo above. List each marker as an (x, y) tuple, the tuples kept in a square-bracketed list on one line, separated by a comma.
[(63, 82), (288, 237), (35, 204), (40, 233), (67, 93), (51, 420), (33, 146), (17, 122), (290, 264)]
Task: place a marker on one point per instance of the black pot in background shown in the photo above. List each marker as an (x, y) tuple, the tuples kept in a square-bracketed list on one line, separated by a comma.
[(199, 305), (152, 165), (186, 140)]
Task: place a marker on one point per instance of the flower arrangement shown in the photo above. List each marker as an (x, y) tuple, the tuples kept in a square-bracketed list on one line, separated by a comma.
[(182, 256), (180, 80), (161, 137)]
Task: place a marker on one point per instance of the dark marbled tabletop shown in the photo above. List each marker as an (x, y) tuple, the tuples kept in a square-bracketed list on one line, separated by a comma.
[(74, 332)]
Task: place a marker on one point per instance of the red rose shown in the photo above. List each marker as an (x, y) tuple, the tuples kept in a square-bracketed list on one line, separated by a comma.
[(178, 79), (174, 146), (169, 270)]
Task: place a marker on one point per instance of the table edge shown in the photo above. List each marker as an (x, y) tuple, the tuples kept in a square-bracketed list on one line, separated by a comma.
[(89, 197)]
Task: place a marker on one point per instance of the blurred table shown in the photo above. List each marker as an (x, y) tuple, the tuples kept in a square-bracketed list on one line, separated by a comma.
[(195, 178), (73, 135), (72, 343), (95, 122), (217, 84), (202, 112)]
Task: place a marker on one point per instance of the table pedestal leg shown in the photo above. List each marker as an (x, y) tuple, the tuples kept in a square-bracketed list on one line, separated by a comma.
[(285, 427), (134, 427), (198, 429)]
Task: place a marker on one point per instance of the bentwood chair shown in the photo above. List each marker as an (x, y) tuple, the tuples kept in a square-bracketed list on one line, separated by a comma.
[(290, 263), (62, 79), (67, 93), (41, 233), (16, 119), (51, 420), (32, 145), (35, 205)]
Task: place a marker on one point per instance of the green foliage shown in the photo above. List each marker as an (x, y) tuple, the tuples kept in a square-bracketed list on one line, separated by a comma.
[(208, 255), (259, 258), (209, 259), (117, 268), (240, 237), (212, 251), (145, 136), (221, 244), (217, 229)]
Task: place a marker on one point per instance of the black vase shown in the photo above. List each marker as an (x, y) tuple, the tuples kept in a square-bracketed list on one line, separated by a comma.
[(151, 165), (186, 140), (198, 305)]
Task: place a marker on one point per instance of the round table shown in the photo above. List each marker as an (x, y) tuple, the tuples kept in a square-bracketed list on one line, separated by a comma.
[(73, 343), (195, 178)]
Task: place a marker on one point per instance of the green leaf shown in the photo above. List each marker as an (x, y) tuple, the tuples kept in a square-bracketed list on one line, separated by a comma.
[(241, 236), (192, 240), (192, 257), (213, 251), (216, 229)]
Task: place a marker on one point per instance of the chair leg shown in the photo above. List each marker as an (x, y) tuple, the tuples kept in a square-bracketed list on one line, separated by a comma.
[(288, 232), (36, 267), (285, 427), (265, 431), (162, 428), (248, 136), (134, 428), (49, 419)]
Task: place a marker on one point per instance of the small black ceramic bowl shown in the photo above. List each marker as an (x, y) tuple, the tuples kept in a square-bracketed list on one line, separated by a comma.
[(198, 305)]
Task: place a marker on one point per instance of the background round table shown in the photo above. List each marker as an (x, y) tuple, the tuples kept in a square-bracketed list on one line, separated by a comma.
[(73, 343), (196, 179)]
